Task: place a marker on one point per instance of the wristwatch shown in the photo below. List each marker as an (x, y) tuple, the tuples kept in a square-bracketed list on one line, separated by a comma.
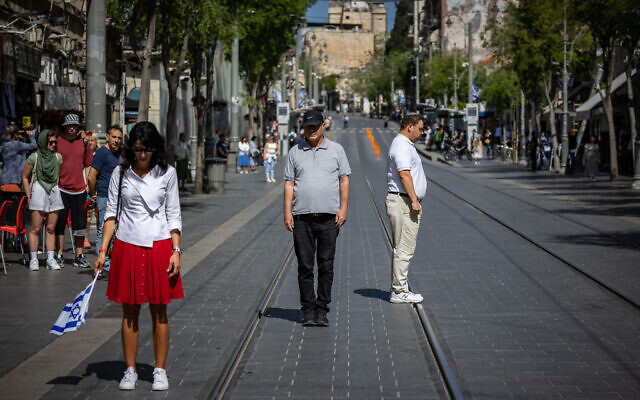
[(177, 250)]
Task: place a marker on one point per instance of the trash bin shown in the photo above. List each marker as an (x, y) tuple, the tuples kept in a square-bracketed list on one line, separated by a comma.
[(216, 167)]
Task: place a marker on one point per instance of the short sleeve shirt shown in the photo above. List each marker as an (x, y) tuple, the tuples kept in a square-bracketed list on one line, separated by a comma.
[(76, 156), (316, 175), (403, 156), (104, 161)]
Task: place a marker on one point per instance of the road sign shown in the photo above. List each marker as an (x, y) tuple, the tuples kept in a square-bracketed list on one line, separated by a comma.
[(403, 100), (235, 100)]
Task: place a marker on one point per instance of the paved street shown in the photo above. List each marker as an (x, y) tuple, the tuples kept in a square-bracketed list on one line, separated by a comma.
[(513, 318)]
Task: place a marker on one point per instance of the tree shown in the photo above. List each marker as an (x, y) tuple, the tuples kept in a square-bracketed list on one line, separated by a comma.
[(267, 31), (176, 17), (501, 90), (136, 19), (605, 21), (209, 19), (375, 78)]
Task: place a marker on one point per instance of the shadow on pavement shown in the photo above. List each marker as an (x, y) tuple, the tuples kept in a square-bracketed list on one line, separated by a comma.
[(289, 314), (106, 371), (373, 293)]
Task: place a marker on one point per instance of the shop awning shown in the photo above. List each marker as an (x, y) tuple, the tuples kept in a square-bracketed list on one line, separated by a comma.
[(584, 111)]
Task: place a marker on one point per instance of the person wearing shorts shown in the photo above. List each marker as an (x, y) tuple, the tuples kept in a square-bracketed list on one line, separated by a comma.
[(76, 160), (42, 169)]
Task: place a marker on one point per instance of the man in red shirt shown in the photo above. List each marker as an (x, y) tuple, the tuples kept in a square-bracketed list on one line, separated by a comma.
[(76, 160)]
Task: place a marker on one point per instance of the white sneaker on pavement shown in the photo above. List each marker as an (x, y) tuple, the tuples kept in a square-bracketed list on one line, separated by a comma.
[(52, 264), (160, 381), (129, 379), (405, 297), (34, 264)]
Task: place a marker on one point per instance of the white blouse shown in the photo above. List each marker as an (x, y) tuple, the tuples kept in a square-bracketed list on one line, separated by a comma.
[(149, 206), (243, 147)]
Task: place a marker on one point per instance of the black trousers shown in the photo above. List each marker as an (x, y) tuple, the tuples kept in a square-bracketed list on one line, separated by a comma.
[(72, 205), (314, 239)]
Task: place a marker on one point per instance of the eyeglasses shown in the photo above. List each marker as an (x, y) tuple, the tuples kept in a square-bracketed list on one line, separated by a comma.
[(53, 142), (145, 151)]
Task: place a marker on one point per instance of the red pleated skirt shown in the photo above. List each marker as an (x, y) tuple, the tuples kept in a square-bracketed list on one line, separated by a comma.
[(139, 274)]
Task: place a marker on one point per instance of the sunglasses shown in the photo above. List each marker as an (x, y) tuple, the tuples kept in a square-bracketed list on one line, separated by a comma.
[(140, 151), (53, 142)]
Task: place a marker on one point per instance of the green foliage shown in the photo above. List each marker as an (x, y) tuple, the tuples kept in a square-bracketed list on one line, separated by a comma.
[(501, 90), (399, 40), (330, 82), (267, 30), (375, 78)]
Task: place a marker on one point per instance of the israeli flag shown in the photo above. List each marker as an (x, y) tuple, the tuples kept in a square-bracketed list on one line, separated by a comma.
[(302, 95), (276, 96), (475, 92), (74, 314)]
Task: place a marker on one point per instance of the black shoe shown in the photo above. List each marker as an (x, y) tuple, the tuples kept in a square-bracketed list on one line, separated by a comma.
[(309, 318), (321, 318)]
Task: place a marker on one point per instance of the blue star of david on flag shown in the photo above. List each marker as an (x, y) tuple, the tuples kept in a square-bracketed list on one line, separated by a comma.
[(74, 314)]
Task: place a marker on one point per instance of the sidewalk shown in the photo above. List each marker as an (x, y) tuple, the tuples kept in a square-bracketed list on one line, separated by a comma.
[(32, 300)]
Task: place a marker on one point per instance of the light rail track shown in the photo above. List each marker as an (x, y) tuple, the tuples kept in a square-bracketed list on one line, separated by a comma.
[(232, 363), (449, 382), (581, 272)]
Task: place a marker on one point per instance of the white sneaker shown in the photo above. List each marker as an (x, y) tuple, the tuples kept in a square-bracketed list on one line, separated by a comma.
[(52, 264), (405, 297), (129, 379), (160, 381), (34, 264)]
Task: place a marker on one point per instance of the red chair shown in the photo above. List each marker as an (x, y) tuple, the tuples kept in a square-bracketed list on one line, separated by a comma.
[(3, 213), (18, 229)]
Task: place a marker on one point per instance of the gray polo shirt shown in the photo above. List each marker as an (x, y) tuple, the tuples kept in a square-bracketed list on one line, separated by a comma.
[(316, 175)]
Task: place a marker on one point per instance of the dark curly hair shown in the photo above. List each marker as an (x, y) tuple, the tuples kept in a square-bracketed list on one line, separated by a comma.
[(149, 136)]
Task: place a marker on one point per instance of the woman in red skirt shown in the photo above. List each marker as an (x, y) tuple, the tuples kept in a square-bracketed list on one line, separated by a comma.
[(143, 211)]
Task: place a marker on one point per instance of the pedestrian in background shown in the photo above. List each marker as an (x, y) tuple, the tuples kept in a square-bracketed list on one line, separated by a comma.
[(40, 181), (183, 154), (316, 198), (591, 158), (93, 142), (270, 155), (145, 261), (406, 187), (477, 148), (13, 152), (77, 156), (244, 158), (255, 153), (222, 148), (104, 162)]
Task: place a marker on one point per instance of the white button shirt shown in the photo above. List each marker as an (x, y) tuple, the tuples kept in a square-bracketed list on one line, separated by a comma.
[(149, 206), (404, 156)]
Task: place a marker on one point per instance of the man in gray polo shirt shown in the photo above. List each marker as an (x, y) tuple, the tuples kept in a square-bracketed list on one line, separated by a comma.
[(316, 196)]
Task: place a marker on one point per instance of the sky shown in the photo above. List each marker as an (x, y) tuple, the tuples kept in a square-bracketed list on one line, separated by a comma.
[(319, 12)]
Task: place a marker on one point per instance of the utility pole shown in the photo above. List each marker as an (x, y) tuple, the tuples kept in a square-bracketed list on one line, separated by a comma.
[(470, 96), (283, 78), (123, 91), (565, 100), (416, 47), (455, 78), (96, 69), (315, 82), (295, 72), (235, 104), (522, 152)]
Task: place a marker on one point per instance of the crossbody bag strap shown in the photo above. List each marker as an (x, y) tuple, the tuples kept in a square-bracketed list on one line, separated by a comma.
[(33, 174)]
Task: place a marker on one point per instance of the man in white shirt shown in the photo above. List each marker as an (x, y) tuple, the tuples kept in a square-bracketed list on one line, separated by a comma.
[(407, 186)]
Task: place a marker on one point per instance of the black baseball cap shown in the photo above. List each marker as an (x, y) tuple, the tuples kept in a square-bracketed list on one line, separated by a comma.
[(312, 118)]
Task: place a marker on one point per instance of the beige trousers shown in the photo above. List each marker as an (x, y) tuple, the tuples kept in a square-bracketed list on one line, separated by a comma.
[(404, 230)]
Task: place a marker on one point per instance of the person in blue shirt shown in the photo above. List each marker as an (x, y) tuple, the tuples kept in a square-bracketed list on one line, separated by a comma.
[(14, 153), (104, 161)]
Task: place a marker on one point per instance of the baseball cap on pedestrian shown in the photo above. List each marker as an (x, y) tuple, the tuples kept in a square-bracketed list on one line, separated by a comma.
[(312, 118), (71, 119)]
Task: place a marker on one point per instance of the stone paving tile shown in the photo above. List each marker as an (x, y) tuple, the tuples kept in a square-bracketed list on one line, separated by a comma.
[(372, 349), (220, 294), (526, 316), (32, 300)]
